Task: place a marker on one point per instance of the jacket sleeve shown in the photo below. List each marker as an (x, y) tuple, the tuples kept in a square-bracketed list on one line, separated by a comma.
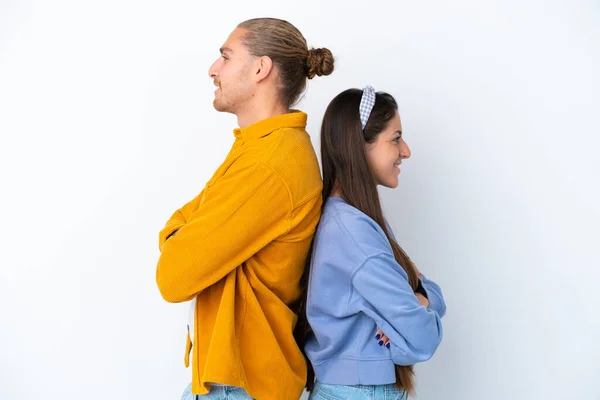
[(178, 219), (414, 331), (242, 212), (434, 295)]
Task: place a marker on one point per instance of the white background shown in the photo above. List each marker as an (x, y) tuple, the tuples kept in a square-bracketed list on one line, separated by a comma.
[(107, 127)]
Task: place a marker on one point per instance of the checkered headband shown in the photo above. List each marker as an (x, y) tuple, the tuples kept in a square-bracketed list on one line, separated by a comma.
[(367, 102)]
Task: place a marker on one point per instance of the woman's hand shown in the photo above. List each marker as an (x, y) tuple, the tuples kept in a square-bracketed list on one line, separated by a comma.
[(422, 299), (382, 340)]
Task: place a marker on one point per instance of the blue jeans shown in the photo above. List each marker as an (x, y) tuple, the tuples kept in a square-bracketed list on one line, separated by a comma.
[(322, 391), (217, 392)]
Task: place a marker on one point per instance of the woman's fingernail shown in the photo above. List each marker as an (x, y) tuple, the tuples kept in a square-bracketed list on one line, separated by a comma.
[(387, 345), (377, 336), (381, 342)]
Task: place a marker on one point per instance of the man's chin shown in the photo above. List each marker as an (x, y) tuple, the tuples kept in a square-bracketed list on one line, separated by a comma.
[(220, 107)]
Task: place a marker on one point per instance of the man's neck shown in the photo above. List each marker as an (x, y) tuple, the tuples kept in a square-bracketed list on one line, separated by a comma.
[(254, 114)]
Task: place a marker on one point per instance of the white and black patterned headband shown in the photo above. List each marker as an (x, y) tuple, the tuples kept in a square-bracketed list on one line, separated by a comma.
[(367, 102)]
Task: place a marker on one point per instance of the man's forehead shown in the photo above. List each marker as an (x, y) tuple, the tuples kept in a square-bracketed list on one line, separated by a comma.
[(233, 42)]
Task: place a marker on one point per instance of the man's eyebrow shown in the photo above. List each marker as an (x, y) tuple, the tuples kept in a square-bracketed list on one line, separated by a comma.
[(225, 50)]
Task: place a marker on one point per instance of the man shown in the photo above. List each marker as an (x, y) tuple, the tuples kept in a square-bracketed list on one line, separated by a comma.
[(238, 249)]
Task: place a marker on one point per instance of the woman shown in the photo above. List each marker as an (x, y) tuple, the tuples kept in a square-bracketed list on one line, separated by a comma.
[(373, 314)]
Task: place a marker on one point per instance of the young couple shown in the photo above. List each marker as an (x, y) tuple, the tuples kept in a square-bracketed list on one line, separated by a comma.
[(296, 279)]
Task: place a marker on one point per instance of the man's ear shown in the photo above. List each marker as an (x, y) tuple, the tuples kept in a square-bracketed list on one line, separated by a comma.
[(264, 68)]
